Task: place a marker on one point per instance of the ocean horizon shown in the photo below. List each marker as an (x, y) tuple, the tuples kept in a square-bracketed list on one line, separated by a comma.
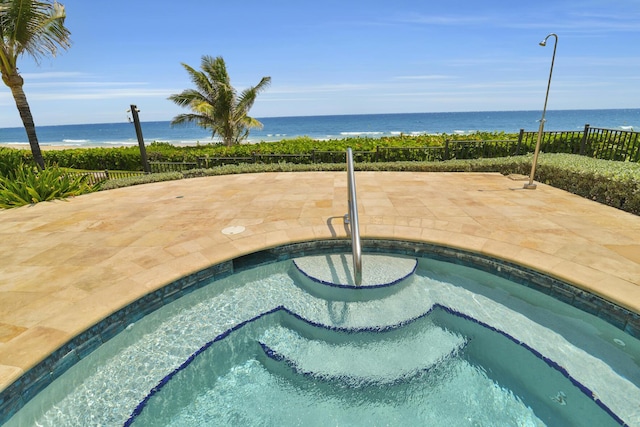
[(330, 127)]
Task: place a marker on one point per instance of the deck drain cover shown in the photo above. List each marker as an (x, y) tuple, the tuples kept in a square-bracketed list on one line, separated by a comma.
[(233, 230)]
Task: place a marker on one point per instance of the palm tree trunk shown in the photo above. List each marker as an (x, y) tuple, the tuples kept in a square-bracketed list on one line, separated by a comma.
[(15, 83)]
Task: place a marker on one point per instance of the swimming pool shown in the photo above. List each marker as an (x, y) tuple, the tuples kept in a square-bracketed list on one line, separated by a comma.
[(479, 336)]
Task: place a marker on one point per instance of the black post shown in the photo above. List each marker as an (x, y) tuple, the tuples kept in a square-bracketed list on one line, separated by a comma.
[(585, 138), (520, 136), (143, 150)]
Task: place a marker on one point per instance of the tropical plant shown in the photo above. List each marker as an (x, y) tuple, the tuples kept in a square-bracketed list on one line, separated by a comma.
[(27, 184), (10, 159), (215, 104), (36, 28)]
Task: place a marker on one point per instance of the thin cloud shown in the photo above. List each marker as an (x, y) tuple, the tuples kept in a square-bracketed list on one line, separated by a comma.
[(88, 84), (340, 87), (103, 94), (448, 20), (52, 75), (576, 22), (426, 77)]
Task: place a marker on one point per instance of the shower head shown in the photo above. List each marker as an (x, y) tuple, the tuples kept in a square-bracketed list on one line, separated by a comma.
[(544, 42)]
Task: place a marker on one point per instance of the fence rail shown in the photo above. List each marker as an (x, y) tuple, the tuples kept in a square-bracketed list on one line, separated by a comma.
[(594, 142), (611, 144), (158, 167), (96, 177), (601, 143)]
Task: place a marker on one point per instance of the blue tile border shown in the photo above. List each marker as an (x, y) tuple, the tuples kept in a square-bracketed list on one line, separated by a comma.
[(278, 357), (16, 395)]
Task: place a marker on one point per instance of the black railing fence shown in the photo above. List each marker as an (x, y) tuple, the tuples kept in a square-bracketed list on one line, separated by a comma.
[(96, 177), (608, 144)]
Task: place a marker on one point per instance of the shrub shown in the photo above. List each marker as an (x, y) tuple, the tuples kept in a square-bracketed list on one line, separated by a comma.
[(141, 179), (120, 158), (609, 182), (26, 185), (10, 160)]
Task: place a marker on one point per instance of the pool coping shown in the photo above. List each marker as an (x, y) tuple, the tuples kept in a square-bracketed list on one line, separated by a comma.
[(19, 393)]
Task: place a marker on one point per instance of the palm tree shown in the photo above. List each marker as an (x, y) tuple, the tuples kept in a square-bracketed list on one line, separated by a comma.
[(33, 27), (215, 104)]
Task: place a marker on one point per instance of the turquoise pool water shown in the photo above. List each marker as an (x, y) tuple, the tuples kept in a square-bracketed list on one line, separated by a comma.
[(450, 345)]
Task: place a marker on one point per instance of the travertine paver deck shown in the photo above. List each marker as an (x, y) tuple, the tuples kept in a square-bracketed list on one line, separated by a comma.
[(66, 265)]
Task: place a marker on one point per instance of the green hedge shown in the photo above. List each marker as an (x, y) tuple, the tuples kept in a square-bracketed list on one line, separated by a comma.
[(12, 160), (141, 179), (117, 158), (609, 182), (128, 158)]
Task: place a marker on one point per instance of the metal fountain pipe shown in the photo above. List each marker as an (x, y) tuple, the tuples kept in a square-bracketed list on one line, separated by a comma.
[(530, 185), (352, 218)]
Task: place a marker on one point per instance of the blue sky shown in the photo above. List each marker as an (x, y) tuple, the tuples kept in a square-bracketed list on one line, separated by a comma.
[(338, 56)]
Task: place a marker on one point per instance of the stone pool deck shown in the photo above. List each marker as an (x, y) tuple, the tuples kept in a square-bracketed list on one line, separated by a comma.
[(66, 265)]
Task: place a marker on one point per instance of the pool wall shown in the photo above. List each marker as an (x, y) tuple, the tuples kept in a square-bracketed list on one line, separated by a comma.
[(16, 395)]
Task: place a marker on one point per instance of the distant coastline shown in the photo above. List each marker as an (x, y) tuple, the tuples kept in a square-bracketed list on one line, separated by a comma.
[(327, 127)]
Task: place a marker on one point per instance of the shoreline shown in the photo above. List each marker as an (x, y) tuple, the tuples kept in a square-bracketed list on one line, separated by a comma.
[(56, 147), (26, 146)]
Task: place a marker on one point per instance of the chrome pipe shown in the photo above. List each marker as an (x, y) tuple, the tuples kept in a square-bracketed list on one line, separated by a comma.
[(530, 185), (352, 219)]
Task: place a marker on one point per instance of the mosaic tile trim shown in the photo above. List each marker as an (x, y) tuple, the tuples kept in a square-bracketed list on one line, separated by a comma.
[(278, 357), (16, 395)]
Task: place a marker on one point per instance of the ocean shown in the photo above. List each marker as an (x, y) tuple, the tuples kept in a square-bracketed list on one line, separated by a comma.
[(331, 127)]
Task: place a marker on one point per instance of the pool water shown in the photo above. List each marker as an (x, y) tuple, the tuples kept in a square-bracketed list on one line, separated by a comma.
[(448, 346)]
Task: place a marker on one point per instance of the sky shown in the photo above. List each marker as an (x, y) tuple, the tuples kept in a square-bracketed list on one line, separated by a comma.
[(338, 57)]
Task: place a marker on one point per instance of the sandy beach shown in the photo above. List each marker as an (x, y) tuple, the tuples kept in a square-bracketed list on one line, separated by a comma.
[(60, 147)]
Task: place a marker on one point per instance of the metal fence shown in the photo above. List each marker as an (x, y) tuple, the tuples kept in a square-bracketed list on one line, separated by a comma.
[(96, 177), (594, 142), (599, 143), (609, 144)]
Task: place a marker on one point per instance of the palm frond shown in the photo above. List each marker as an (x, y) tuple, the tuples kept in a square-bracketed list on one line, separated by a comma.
[(248, 96), (186, 97), (34, 27), (214, 102)]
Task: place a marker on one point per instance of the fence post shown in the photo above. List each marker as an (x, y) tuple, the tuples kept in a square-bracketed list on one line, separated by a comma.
[(585, 136), (520, 137), (446, 149), (143, 151)]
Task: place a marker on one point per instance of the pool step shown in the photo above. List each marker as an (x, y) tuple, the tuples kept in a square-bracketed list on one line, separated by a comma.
[(337, 269), (362, 358), (331, 276)]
